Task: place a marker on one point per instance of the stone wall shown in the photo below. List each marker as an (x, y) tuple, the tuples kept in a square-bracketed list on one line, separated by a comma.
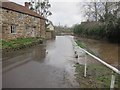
[(43, 31), (10, 17), (50, 34), (0, 23)]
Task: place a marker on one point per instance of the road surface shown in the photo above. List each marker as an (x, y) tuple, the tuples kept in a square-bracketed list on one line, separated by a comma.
[(42, 66)]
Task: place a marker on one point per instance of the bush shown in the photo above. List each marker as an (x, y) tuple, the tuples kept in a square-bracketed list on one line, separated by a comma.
[(109, 29), (78, 29), (112, 31)]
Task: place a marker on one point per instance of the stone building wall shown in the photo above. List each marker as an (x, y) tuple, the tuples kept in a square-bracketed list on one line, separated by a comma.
[(0, 23), (43, 31), (10, 17), (48, 35)]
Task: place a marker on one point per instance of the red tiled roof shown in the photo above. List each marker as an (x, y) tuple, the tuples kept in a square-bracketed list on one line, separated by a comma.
[(20, 8)]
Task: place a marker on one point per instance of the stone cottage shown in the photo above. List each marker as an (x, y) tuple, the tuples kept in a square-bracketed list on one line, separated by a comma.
[(50, 26), (50, 30), (20, 22)]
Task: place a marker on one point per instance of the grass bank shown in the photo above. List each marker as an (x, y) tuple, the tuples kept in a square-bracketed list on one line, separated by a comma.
[(97, 77), (20, 42), (85, 47)]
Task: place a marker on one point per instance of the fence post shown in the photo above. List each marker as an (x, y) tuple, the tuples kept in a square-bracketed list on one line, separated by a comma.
[(112, 81), (85, 68)]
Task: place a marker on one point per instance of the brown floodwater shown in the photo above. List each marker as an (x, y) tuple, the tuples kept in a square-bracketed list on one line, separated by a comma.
[(108, 52), (43, 66), (51, 65)]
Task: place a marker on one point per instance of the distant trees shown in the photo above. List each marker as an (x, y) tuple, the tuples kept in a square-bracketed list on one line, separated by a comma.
[(103, 21), (41, 7), (95, 11)]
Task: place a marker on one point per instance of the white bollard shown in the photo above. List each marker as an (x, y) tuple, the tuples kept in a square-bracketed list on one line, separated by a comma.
[(85, 69), (112, 82)]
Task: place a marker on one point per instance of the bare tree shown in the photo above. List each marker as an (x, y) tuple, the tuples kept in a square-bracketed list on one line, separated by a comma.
[(100, 10)]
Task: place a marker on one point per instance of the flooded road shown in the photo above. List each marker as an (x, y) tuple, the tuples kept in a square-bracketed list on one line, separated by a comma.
[(51, 65), (42, 66), (105, 50)]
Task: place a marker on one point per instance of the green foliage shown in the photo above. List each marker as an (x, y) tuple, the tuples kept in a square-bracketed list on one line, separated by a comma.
[(108, 29), (97, 76), (81, 45), (85, 47), (113, 29), (118, 80), (103, 79), (15, 43), (78, 68), (78, 29), (86, 29)]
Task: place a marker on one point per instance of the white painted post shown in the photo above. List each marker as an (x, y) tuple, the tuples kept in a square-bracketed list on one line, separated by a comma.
[(112, 81), (85, 69)]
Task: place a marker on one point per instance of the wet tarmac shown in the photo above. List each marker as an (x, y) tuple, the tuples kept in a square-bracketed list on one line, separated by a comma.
[(43, 66)]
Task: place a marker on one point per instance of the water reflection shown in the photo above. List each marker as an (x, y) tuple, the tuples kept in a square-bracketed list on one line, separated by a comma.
[(38, 54), (24, 56)]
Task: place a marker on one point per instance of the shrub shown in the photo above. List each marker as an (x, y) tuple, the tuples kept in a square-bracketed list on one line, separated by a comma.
[(109, 29)]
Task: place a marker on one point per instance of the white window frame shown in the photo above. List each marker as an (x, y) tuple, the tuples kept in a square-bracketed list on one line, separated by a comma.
[(14, 29), (20, 15)]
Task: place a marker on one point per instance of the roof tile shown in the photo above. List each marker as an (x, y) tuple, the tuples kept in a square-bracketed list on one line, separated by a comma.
[(20, 8)]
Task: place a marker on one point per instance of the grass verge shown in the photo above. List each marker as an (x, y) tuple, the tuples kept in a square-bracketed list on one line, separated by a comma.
[(16, 43), (97, 77), (85, 47)]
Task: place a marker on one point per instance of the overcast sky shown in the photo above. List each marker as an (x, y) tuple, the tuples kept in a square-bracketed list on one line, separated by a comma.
[(65, 12)]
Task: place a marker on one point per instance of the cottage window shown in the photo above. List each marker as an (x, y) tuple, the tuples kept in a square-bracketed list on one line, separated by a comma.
[(20, 15), (34, 27), (35, 19), (28, 29), (13, 28), (33, 31)]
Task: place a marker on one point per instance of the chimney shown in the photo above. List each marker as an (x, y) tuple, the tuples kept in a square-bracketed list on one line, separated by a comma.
[(27, 5)]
